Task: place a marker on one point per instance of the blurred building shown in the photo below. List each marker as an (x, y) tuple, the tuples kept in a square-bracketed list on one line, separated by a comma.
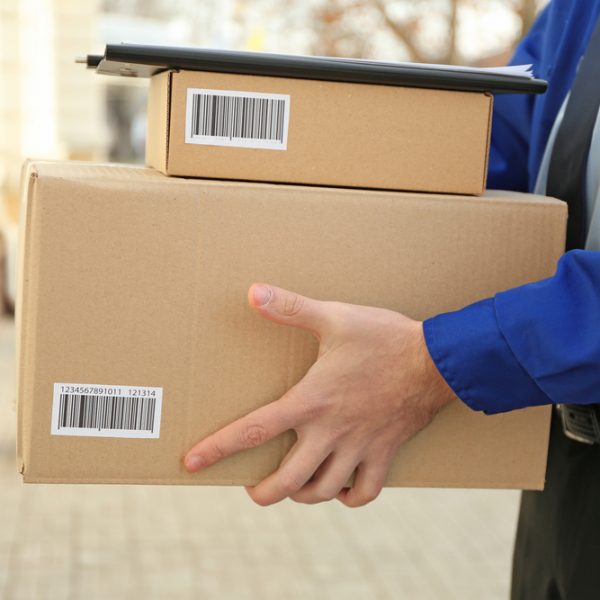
[(46, 108)]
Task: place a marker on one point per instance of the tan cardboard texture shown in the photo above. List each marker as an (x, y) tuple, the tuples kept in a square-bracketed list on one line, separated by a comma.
[(340, 134), (132, 278)]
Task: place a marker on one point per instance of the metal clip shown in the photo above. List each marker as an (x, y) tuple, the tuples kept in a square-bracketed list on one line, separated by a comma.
[(580, 423)]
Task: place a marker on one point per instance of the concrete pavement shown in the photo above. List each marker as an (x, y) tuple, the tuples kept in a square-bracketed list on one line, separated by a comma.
[(118, 542)]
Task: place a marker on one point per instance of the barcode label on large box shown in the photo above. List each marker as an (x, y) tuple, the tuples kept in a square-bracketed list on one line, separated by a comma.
[(106, 410), (242, 119)]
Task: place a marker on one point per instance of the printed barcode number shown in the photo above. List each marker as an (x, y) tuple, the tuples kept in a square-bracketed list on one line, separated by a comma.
[(109, 411), (244, 119)]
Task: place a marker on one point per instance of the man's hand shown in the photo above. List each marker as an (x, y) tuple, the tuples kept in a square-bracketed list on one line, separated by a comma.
[(371, 389)]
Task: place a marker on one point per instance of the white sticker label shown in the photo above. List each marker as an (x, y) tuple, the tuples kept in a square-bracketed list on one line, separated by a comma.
[(241, 119), (106, 410)]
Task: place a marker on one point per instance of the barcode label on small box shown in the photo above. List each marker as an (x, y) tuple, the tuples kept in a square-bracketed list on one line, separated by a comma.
[(106, 410), (242, 119)]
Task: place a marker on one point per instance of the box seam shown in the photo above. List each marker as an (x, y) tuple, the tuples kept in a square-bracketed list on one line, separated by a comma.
[(168, 130), (30, 178), (488, 142)]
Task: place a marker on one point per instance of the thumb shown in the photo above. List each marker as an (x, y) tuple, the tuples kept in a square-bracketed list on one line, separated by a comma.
[(289, 308)]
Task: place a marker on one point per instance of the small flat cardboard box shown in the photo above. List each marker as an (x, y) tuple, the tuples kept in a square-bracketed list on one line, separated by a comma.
[(326, 133), (131, 278)]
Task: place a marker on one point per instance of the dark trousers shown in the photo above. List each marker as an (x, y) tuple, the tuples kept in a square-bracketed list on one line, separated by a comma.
[(557, 550)]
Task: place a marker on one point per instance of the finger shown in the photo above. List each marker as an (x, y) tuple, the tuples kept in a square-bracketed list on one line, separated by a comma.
[(368, 482), (289, 308), (330, 479), (250, 431), (299, 466)]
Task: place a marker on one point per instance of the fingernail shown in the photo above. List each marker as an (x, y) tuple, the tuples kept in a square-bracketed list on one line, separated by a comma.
[(193, 463), (262, 294)]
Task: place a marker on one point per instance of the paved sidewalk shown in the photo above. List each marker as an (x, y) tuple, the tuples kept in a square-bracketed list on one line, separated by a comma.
[(118, 542)]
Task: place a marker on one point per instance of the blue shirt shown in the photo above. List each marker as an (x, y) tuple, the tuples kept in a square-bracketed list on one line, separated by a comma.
[(538, 343)]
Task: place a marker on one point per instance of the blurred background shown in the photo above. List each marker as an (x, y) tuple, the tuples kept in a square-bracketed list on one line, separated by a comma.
[(112, 542)]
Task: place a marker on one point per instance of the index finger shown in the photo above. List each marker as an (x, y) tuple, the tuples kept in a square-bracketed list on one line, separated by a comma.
[(250, 431)]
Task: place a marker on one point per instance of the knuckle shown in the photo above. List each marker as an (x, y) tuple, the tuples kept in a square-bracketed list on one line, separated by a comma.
[(253, 436), (217, 451), (335, 432), (366, 495), (387, 453), (338, 431), (313, 403), (261, 500), (324, 494), (371, 494), (289, 483), (313, 407), (292, 305)]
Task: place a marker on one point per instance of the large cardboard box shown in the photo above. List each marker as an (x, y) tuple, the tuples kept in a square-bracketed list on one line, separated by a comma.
[(324, 133), (130, 278)]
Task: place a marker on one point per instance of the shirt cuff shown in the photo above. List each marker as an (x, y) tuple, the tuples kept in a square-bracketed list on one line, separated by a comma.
[(474, 358)]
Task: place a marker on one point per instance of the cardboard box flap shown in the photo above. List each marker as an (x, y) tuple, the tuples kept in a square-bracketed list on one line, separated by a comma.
[(82, 170), (24, 339), (159, 106), (488, 141), (118, 173)]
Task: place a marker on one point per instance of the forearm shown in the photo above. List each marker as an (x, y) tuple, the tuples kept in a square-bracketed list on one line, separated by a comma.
[(535, 344)]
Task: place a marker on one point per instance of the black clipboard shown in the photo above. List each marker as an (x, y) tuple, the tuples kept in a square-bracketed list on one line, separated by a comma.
[(136, 60)]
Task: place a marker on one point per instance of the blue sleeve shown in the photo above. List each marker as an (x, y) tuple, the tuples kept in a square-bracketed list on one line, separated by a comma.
[(535, 344), (512, 120)]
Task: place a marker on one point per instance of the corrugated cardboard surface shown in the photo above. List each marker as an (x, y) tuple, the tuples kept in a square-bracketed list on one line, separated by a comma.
[(340, 134), (133, 278)]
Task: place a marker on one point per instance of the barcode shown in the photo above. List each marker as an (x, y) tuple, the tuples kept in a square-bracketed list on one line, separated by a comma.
[(246, 119), (108, 411)]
